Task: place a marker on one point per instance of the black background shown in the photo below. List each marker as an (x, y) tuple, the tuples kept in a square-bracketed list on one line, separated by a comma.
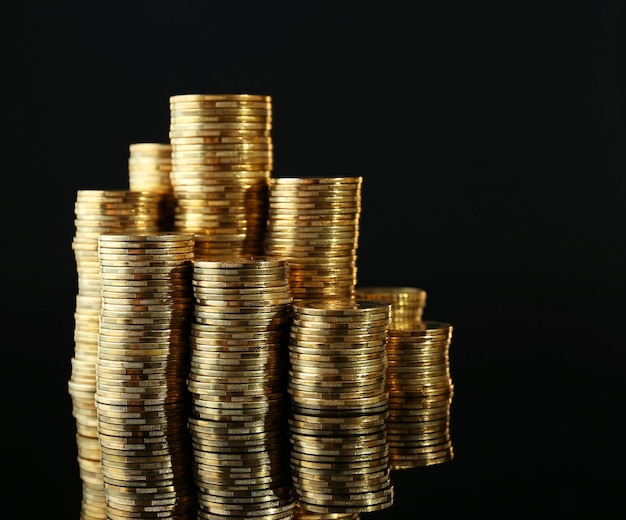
[(490, 138)]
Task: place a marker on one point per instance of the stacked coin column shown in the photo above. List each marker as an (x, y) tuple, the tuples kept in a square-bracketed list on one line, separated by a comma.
[(337, 424), (97, 211), (314, 222), (418, 380), (141, 370), (237, 381), (149, 167), (222, 157)]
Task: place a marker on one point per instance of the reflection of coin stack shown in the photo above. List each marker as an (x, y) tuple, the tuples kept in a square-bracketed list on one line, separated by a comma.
[(141, 369), (96, 211), (418, 380), (149, 166), (337, 424), (222, 157), (314, 222), (237, 381)]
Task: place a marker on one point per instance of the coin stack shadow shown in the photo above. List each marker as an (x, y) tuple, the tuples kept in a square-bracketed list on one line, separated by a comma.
[(237, 380), (141, 371), (222, 158), (337, 424), (149, 167), (419, 384), (96, 212)]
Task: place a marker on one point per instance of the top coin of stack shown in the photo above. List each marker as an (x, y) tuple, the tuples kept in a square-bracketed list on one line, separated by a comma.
[(222, 157)]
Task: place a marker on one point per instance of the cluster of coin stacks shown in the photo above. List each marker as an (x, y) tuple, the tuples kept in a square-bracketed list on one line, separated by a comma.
[(222, 158), (149, 167), (237, 381), (314, 222), (96, 212), (141, 370), (337, 424)]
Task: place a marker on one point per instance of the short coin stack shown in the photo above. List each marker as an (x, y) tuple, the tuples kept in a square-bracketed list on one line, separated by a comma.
[(222, 157), (149, 167), (314, 222), (339, 449), (141, 370), (237, 381), (418, 380), (97, 211), (420, 395)]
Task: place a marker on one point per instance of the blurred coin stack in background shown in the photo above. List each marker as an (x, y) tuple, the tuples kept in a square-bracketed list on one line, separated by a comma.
[(97, 212), (222, 159), (237, 380), (418, 380), (141, 373), (314, 222), (149, 167), (339, 449)]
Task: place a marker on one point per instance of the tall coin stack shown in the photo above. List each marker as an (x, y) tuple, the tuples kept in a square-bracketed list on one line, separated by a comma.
[(222, 158), (337, 424), (149, 167), (418, 380), (97, 211), (314, 222), (141, 370), (237, 380)]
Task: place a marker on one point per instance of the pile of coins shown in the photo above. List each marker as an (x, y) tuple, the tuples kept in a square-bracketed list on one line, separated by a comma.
[(314, 222), (337, 424), (222, 157), (96, 212), (141, 371), (226, 364), (149, 168), (237, 382)]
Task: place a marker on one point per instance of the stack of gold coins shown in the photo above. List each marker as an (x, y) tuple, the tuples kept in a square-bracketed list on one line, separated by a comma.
[(407, 303), (302, 514), (420, 395), (314, 222), (237, 381), (222, 158), (337, 424), (149, 167), (96, 211), (141, 370)]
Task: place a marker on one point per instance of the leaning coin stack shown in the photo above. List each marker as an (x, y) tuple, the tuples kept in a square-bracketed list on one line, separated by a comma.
[(97, 211), (149, 167), (314, 222), (222, 158), (420, 395), (237, 381), (141, 370), (337, 423)]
